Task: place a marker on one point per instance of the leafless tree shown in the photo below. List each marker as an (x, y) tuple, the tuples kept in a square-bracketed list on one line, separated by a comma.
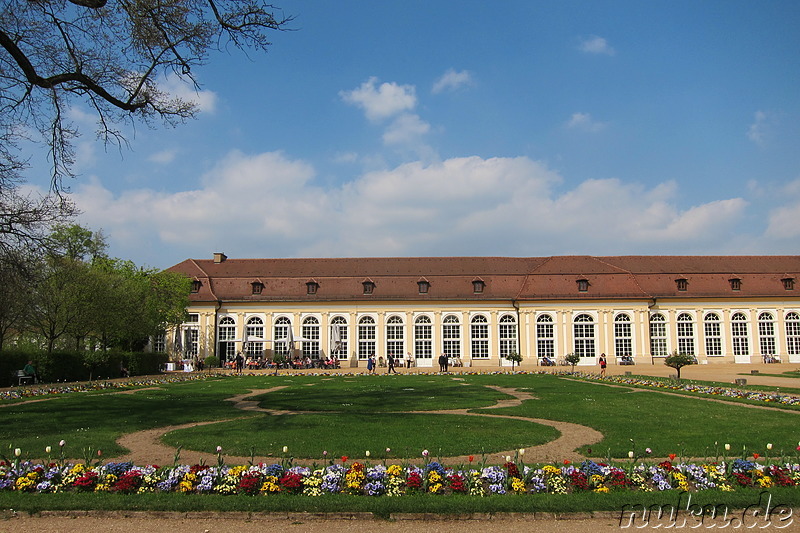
[(108, 55)]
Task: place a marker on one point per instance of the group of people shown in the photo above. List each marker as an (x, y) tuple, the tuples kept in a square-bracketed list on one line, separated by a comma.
[(238, 363)]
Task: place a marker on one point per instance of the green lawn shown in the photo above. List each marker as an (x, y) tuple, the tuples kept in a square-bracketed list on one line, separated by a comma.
[(353, 414)]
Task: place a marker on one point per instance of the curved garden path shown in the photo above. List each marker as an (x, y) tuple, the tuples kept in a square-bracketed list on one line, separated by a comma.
[(146, 446)]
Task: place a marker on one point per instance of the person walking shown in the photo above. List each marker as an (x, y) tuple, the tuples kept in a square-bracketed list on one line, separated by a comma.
[(603, 364), (391, 361)]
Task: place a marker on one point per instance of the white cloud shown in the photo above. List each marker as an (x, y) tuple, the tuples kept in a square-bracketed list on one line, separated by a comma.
[(383, 101), (596, 45), (784, 220), (269, 205), (206, 101), (452, 81), (163, 157), (406, 129), (757, 132), (584, 122)]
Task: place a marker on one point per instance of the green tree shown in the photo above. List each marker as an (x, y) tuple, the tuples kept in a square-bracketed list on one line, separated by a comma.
[(14, 293), (679, 360), (77, 243), (573, 359), (515, 359)]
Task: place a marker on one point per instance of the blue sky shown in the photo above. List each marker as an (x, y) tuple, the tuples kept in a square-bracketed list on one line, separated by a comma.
[(517, 128)]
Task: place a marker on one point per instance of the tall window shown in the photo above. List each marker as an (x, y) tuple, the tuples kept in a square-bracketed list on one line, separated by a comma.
[(713, 334), (339, 337), (279, 333), (254, 337), (545, 337), (584, 335), (423, 337), (160, 342), (310, 331), (766, 334), (739, 334), (685, 334), (451, 336), (623, 339), (658, 335), (508, 335), (479, 333), (395, 342), (366, 337), (225, 336), (792, 333), (192, 342)]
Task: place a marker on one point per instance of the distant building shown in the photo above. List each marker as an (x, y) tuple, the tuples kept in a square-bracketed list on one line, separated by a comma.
[(743, 309)]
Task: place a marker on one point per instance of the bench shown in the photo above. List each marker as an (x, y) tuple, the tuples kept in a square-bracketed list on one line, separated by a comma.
[(23, 378)]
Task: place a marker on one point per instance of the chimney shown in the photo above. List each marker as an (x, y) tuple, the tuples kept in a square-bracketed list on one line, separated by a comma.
[(219, 257)]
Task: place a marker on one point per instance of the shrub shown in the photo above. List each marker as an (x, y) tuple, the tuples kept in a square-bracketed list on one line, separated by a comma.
[(212, 361)]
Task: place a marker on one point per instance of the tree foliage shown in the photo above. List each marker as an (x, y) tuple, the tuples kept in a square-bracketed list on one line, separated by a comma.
[(80, 298), (679, 360)]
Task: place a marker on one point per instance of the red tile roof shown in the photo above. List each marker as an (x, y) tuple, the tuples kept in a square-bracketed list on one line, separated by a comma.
[(506, 278)]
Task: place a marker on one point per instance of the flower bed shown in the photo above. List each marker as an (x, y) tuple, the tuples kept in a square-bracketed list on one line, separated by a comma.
[(394, 479)]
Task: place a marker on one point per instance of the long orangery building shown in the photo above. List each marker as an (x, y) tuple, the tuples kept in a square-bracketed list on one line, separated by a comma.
[(743, 309)]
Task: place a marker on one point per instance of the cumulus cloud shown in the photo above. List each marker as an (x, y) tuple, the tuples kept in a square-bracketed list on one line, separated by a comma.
[(270, 205), (584, 122), (381, 101), (784, 220), (405, 129), (596, 45), (452, 81), (205, 101)]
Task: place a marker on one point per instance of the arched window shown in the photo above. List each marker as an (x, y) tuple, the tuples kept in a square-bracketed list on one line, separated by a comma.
[(508, 335), (479, 333), (423, 337), (685, 334), (739, 334), (254, 337), (338, 339), (226, 336), (713, 334), (584, 335), (792, 333), (366, 337), (451, 336), (310, 331), (658, 335), (766, 335), (395, 337), (280, 332), (545, 337), (623, 340)]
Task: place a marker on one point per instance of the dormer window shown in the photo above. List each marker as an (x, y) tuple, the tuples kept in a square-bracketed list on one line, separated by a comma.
[(682, 284), (196, 284), (583, 285), (736, 284), (311, 287), (369, 287), (424, 286), (258, 287), (788, 283), (478, 285)]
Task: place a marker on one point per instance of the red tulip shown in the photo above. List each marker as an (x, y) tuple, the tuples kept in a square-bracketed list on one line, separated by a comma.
[(672, 457), (344, 458), (471, 458), (755, 456)]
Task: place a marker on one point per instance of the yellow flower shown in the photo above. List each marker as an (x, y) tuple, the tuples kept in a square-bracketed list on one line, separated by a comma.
[(601, 488), (517, 485), (436, 487), (765, 482), (394, 470), (236, 471), (185, 486), (434, 477)]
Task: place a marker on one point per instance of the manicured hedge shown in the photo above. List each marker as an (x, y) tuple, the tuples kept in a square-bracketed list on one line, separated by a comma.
[(78, 366)]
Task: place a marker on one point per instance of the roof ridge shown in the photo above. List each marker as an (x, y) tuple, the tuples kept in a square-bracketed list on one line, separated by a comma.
[(631, 274)]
